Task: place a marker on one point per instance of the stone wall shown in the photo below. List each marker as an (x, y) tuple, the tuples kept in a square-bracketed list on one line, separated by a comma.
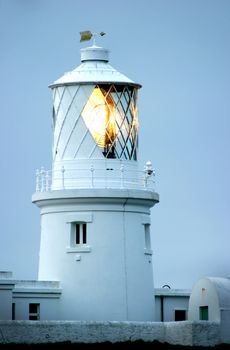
[(183, 333)]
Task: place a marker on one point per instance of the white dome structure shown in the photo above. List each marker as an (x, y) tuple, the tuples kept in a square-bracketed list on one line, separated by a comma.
[(210, 301), (210, 295)]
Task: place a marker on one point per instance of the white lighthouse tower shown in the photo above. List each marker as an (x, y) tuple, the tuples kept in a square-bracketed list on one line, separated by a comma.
[(95, 203)]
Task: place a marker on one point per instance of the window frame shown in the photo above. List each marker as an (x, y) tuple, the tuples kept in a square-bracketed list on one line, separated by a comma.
[(83, 220), (203, 313), (146, 222)]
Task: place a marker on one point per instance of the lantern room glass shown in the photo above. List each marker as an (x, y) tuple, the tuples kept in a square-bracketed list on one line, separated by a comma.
[(111, 116)]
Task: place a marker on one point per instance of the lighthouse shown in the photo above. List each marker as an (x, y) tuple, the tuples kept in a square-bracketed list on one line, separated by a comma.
[(95, 201)]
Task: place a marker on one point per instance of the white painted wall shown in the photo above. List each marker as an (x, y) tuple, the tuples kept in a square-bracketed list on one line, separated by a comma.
[(113, 280), (204, 293), (213, 292), (49, 307), (170, 304)]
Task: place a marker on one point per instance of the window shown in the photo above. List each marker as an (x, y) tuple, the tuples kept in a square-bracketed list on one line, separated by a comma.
[(147, 248), (78, 238), (111, 116), (180, 315), (13, 311), (80, 233), (204, 313), (34, 312), (79, 229), (147, 236)]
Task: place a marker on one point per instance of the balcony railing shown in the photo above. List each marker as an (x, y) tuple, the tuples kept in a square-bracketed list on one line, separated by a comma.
[(47, 180)]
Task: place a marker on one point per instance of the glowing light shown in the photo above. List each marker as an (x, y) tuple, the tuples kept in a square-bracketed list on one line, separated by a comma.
[(99, 116), (135, 116), (111, 117)]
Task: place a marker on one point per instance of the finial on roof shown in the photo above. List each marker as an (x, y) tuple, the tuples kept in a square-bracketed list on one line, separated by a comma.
[(87, 35)]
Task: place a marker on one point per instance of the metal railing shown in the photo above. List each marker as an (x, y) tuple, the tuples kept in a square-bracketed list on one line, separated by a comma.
[(47, 180)]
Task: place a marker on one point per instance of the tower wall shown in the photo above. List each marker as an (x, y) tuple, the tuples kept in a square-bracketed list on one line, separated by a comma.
[(109, 277)]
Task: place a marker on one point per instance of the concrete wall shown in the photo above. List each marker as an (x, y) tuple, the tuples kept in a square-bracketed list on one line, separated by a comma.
[(183, 333), (225, 325)]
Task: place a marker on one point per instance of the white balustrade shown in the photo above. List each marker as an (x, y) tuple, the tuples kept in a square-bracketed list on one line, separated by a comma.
[(47, 180)]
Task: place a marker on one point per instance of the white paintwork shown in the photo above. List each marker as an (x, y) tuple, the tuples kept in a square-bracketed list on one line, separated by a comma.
[(102, 173), (22, 293), (213, 292), (94, 53), (112, 280), (94, 68), (170, 300), (45, 293)]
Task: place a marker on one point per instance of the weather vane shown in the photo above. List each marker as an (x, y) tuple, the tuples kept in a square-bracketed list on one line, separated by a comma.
[(87, 35)]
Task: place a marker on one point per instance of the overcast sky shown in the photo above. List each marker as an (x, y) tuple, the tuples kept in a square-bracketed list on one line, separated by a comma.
[(179, 50)]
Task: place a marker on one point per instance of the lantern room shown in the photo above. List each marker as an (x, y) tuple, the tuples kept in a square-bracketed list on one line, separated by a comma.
[(101, 105), (95, 128)]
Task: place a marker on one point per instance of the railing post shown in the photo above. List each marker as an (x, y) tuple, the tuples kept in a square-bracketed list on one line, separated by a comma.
[(47, 180), (63, 177), (42, 174), (148, 170), (154, 173), (92, 176), (37, 180), (146, 179), (122, 175)]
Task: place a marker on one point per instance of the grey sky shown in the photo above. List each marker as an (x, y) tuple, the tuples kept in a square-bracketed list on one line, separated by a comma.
[(179, 50)]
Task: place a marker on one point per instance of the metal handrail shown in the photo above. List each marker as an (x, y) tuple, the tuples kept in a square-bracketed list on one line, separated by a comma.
[(49, 180)]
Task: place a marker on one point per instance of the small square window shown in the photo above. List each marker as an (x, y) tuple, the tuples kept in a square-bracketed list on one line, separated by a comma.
[(34, 312), (180, 315)]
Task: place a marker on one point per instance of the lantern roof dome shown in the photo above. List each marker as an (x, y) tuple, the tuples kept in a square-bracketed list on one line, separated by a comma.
[(94, 69)]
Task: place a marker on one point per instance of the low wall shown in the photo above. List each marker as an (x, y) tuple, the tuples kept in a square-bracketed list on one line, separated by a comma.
[(183, 333)]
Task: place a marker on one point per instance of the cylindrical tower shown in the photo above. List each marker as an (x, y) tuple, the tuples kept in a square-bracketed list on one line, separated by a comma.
[(95, 202)]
